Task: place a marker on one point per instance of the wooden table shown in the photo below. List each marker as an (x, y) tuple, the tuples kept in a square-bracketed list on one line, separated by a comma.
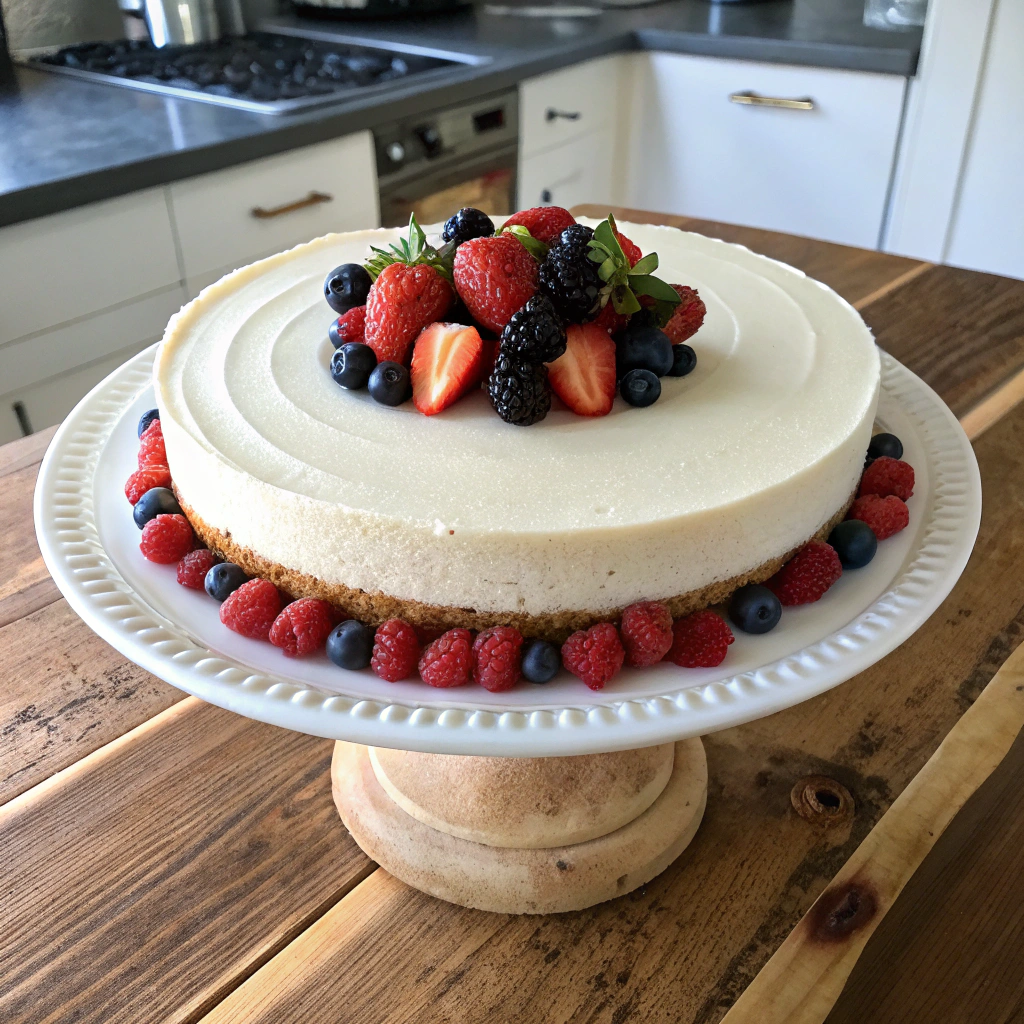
[(164, 860)]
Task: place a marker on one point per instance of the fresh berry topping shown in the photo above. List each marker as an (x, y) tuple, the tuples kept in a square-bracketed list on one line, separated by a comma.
[(519, 392), (350, 645), (448, 661), (594, 655), (143, 480), (403, 300), (350, 326), (496, 658), (192, 569), (346, 287), (223, 580), (688, 317), (146, 419), (252, 609), (646, 633), (609, 320), (396, 650), (151, 447), (888, 445), (629, 248), (446, 363), (584, 376), (640, 388), (302, 626), (755, 609), (570, 278), (541, 661), (684, 361), (166, 539), (700, 640), (576, 236), (155, 502), (545, 223), (494, 277), (352, 364), (534, 334), (643, 347), (855, 542), (887, 476), (886, 516), (389, 383), (466, 224), (807, 575)]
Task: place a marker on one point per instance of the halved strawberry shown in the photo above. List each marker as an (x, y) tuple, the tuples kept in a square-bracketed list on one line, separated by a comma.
[(446, 363), (584, 375)]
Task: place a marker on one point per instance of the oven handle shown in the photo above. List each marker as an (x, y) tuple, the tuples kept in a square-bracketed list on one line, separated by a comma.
[(313, 199)]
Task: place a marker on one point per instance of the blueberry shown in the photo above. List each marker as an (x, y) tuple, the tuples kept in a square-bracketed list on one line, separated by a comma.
[(147, 418), (352, 364), (754, 609), (855, 543), (223, 580), (541, 661), (643, 348), (466, 224), (883, 444), (347, 286), (640, 388), (332, 332), (157, 501), (350, 644), (389, 383), (684, 359)]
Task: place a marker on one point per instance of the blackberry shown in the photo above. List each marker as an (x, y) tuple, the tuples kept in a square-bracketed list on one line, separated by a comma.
[(466, 224), (534, 334), (570, 277), (576, 236), (519, 391)]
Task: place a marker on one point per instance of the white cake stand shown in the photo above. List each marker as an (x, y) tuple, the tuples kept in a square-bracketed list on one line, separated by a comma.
[(645, 770)]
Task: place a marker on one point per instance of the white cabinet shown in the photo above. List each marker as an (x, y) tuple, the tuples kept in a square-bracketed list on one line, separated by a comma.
[(710, 138), (577, 172)]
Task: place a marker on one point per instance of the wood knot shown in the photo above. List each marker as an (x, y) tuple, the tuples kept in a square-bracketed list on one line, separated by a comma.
[(822, 801), (841, 911)]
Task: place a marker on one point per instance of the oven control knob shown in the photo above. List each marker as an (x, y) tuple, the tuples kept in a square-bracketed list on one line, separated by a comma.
[(395, 152), (431, 139)]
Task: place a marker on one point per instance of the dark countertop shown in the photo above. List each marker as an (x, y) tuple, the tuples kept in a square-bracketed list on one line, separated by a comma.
[(64, 142)]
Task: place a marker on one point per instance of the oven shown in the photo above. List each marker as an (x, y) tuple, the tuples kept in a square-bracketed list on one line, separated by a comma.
[(436, 163)]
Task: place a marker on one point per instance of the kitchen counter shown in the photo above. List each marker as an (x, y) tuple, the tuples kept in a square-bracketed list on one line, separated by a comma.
[(65, 142)]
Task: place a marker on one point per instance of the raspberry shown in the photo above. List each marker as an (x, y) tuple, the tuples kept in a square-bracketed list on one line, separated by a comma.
[(807, 575), (350, 326), (151, 446), (700, 640), (494, 277), (252, 609), (887, 476), (688, 316), (543, 222), (448, 661), (143, 480), (885, 516), (646, 633), (302, 626), (396, 650), (631, 249), (166, 539), (496, 658), (192, 569), (594, 655)]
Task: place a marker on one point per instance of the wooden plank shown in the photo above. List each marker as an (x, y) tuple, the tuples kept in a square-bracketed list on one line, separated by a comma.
[(685, 947), (27, 451), (143, 882), (994, 407)]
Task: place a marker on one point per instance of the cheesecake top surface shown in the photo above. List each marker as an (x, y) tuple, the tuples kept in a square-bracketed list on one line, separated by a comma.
[(786, 371)]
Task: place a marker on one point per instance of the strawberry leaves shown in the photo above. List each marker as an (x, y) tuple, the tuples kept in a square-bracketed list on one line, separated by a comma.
[(411, 250)]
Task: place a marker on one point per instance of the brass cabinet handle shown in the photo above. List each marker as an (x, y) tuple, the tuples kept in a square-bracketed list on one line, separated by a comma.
[(568, 115), (755, 100), (313, 199)]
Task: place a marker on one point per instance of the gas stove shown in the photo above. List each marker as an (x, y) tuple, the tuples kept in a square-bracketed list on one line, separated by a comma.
[(265, 72)]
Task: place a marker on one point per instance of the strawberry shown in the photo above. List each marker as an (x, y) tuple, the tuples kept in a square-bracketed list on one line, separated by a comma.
[(494, 277), (688, 316), (446, 363), (609, 320), (402, 301), (545, 223), (584, 375), (630, 249)]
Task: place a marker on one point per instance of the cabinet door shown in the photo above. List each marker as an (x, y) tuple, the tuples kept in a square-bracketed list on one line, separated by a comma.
[(578, 172), (820, 168)]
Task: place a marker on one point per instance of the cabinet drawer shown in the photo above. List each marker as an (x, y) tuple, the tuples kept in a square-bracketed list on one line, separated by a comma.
[(567, 104), (229, 218), (821, 169), (74, 263), (567, 175)]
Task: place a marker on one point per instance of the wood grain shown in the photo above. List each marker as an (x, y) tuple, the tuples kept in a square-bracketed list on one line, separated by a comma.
[(146, 880)]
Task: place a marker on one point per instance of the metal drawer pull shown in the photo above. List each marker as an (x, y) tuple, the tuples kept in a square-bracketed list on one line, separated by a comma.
[(567, 115), (313, 199), (753, 99)]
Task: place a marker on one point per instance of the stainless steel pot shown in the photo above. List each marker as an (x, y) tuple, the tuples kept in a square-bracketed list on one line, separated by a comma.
[(177, 22)]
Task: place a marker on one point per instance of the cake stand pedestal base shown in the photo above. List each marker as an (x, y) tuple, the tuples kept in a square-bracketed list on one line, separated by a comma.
[(522, 835)]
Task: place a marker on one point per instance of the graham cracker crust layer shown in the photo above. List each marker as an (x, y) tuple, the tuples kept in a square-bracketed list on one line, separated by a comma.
[(375, 608)]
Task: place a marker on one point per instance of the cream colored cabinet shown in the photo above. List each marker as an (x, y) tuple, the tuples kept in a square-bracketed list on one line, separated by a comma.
[(576, 172)]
